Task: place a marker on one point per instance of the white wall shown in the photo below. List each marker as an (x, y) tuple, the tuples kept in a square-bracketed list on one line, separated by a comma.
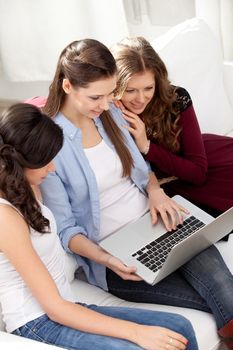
[(105, 20), (33, 33)]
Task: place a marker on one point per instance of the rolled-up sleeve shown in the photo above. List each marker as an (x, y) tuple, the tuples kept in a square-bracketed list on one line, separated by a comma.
[(55, 197)]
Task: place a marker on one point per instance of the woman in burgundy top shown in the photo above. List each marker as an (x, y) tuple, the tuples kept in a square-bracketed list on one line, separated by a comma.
[(163, 122)]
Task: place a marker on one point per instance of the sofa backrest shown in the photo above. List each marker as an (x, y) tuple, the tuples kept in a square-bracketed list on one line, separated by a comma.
[(194, 60)]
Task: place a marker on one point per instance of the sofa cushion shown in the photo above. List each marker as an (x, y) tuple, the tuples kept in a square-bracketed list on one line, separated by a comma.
[(193, 57)]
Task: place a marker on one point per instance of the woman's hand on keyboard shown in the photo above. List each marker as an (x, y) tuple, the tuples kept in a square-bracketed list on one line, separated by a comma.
[(170, 211)]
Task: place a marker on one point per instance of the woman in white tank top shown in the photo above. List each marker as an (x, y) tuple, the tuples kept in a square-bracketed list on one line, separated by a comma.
[(35, 296)]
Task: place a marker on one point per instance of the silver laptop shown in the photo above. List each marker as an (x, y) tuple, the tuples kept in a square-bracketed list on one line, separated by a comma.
[(155, 252)]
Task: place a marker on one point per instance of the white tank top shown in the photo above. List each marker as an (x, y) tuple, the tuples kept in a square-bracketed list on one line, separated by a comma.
[(18, 304), (121, 201)]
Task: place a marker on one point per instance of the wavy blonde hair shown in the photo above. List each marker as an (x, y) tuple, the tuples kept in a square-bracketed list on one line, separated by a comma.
[(161, 116)]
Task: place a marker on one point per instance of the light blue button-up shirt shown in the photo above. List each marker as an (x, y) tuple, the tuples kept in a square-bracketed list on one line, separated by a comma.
[(71, 191)]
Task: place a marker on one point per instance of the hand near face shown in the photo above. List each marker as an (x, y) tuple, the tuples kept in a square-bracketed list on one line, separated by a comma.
[(136, 127)]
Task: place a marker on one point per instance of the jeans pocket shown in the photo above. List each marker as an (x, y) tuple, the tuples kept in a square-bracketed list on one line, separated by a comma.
[(36, 324), (32, 328)]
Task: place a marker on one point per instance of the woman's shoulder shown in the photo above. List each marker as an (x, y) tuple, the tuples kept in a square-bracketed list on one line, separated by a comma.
[(183, 99), (9, 214), (117, 115), (6, 205), (115, 111), (7, 209)]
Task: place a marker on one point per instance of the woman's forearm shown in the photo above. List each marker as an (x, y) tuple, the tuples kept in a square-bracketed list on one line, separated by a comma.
[(80, 317), (153, 183), (81, 245)]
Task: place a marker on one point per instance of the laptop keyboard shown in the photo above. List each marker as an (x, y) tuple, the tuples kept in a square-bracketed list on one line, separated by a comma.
[(155, 253)]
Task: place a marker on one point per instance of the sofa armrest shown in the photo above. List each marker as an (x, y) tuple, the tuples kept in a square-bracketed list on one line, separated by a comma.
[(228, 81)]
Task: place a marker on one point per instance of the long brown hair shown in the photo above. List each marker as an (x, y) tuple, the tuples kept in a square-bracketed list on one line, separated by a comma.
[(161, 116), (83, 62), (28, 139)]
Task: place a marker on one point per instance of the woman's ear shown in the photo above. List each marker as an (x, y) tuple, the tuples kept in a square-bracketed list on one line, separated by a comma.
[(66, 86)]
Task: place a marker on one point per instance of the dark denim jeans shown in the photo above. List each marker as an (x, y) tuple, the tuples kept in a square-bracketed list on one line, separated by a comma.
[(204, 283), (50, 332)]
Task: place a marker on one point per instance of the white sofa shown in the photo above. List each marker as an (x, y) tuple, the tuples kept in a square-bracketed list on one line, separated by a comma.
[(194, 61)]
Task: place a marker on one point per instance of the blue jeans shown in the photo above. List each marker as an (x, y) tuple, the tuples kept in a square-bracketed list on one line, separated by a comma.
[(50, 332), (204, 283)]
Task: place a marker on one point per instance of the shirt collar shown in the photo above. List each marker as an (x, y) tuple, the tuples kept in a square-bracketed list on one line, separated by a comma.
[(70, 129), (67, 126)]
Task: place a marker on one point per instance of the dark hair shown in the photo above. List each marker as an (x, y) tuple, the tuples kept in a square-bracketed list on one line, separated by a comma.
[(28, 139), (83, 62), (161, 116)]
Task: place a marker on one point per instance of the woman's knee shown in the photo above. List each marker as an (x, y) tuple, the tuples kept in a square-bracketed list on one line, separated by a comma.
[(180, 324)]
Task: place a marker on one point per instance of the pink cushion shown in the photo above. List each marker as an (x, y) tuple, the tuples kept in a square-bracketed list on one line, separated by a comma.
[(38, 101)]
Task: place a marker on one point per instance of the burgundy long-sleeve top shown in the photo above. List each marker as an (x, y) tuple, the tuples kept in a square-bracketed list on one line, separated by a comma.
[(203, 165)]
